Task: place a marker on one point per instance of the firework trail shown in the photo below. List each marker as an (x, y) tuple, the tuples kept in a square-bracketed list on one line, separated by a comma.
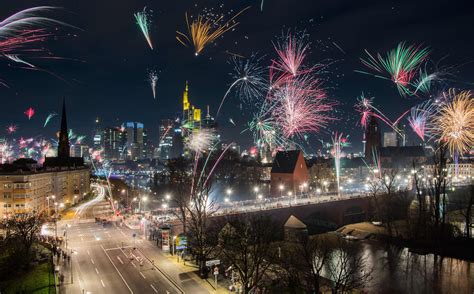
[(338, 142), (153, 78), (454, 122), (200, 140), (248, 79), (29, 113), (17, 59), (11, 129), (144, 22), (261, 5), (48, 118), (232, 121), (400, 65), (203, 31), (22, 32), (366, 108), (420, 119)]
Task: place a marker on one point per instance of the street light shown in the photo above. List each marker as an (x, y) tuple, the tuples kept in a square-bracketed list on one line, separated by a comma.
[(281, 187), (167, 196)]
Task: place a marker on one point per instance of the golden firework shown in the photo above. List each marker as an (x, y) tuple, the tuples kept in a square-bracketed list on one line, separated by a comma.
[(203, 31), (455, 122)]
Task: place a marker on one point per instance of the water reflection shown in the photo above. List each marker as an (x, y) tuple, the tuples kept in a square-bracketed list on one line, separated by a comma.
[(396, 270)]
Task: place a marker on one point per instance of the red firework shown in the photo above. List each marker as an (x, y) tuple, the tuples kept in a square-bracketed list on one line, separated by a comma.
[(30, 112)]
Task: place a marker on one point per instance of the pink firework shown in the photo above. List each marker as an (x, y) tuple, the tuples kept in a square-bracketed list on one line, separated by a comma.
[(30, 112), (301, 107), (291, 53), (11, 129), (420, 118)]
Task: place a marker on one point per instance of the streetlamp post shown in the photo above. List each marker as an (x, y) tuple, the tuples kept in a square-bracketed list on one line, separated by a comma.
[(256, 190), (281, 187)]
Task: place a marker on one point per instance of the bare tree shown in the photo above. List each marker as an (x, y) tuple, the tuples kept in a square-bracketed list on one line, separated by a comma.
[(302, 263), (180, 181), (246, 244), (347, 268)]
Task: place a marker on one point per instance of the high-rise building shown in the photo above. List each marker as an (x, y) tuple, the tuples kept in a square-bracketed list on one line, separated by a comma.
[(390, 139), (166, 134), (115, 140), (97, 135), (372, 138), (134, 140)]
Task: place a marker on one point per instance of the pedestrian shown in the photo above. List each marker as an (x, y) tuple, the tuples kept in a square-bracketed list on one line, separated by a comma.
[(61, 279)]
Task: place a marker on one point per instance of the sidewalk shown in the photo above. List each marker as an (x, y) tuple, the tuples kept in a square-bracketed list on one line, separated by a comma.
[(65, 269), (185, 275)]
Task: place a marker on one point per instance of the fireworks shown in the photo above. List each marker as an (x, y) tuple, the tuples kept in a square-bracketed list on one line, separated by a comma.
[(203, 31), (454, 123), (248, 79), (420, 119), (400, 65), (301, 107), (292, 53), (11, 129), (153, 78), (17, 59), (29, 113), (21, 32), (144, 22), (338, 142), (201, 140), (48, 118)]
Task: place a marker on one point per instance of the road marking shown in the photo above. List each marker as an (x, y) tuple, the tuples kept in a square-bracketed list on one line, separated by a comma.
[(119, 259), (117, 269), (88, 253), (103, 285), (96, 270), (92, 261), (133, 264), (154, 289), (143, 276)]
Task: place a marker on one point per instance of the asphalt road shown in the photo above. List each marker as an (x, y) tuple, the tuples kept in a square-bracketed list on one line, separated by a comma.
[(110, 260)]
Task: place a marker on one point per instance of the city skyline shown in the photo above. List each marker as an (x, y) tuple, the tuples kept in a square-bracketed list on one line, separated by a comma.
[(108, 80)]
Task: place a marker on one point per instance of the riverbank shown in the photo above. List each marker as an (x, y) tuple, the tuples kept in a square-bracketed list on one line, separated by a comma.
[(460, 248)]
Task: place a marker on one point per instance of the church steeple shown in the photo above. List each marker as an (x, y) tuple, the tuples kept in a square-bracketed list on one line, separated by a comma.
[(63, 142)]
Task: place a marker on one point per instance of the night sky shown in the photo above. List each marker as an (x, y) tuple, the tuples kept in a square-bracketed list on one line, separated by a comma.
[(106, 61)]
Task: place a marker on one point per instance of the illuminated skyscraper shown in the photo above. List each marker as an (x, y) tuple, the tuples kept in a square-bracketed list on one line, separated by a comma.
[(134, 140)]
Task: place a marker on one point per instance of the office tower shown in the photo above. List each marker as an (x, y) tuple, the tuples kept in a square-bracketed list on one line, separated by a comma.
[(114, 139), (372, 137), (134, 132), (166, 134)]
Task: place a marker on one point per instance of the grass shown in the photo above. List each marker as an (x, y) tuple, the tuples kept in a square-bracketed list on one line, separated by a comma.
[(38, 280)]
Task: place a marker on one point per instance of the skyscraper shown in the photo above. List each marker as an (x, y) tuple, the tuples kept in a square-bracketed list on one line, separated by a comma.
[(166, 138), (134, 140), (115, 140), (390, 139)]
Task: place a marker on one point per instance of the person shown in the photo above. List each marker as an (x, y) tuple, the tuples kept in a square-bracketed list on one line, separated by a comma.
[(61, 279)]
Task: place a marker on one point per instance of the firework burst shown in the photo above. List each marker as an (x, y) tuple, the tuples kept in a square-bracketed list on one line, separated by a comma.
[(29, 113), (400, 65), (201, 140), (143, 21), (203, 31), (11, 129), (420, 119), (302, 107), (153, 79), (249, 80), (454, 122)]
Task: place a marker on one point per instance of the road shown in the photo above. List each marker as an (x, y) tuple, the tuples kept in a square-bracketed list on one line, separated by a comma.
[(110, 260)]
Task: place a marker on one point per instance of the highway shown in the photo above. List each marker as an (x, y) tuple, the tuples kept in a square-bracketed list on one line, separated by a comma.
[(108, 259)]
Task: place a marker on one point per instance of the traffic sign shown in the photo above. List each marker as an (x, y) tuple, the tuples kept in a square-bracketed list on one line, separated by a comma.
[(210, 263)]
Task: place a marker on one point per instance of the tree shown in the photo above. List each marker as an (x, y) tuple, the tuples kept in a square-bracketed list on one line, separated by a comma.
[(179, 179), (347, 268), (246, 244), (23, 232), (302, 263)]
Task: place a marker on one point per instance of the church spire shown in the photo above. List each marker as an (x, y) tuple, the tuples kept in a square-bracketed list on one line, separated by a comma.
[(63, 143)]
